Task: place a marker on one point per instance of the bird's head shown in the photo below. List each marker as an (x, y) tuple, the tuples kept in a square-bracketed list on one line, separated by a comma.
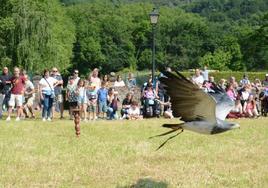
[(234, 126)]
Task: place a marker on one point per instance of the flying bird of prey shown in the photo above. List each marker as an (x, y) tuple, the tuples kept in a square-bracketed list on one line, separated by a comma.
[(201, 112)]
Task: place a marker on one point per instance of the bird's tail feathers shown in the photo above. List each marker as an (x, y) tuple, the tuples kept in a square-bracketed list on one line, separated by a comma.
[(174, 127)]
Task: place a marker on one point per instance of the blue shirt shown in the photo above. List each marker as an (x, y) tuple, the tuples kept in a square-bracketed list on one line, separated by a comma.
[(102, 94)]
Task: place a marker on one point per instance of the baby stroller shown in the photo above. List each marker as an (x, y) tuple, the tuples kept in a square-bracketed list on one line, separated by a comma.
[(264, 102)]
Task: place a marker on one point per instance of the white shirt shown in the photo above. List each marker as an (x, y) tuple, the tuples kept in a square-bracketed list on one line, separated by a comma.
[(245, 95), (133, 111), (82, 92), (28, 87), (76, 81), (119, 84), (198, 80), (205, 74), (47, 84)]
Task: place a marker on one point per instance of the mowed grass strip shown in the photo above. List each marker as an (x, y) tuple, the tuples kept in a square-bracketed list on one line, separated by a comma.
[(119, 154)]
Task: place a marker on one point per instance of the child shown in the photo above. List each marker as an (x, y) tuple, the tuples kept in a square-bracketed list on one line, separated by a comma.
[(168, 113), (250, 107), (82, 97), (102, 99), (92, 101), (126, 105), (134, 111)]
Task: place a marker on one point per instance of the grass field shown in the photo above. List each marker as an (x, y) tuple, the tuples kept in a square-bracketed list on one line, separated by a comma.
[(119, 154)]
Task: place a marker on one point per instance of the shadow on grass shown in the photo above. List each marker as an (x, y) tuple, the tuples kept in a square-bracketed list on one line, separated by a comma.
[(146, 183)]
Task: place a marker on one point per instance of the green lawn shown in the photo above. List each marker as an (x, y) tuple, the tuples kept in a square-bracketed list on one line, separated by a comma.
[(119, 154)]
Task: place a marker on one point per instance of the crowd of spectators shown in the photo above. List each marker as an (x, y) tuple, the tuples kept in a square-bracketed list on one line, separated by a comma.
[(251, 98), (98, 97)]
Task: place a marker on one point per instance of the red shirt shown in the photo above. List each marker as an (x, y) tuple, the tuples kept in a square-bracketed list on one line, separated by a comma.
[(17, 85)]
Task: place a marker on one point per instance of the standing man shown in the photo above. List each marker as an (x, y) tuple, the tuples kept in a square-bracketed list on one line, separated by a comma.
[(29, 95), (198, 79), (205, 73), (265, 81), (58, 101), (76, 77), (17, 90), (5, 86)]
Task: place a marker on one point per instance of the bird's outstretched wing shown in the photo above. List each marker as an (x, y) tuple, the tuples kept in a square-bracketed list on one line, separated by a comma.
[(188, 101), (224, 104)]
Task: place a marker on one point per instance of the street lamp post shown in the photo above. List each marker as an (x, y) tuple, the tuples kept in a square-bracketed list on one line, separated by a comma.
[(154, 15)]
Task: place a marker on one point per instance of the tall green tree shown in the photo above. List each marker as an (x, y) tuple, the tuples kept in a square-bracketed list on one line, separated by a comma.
[(42, 35)]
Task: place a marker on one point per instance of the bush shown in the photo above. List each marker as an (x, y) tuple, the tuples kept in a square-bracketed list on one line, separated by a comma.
[(142, 76)]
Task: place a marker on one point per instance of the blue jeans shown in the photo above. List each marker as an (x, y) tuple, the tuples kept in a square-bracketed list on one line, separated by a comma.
[(111, 113), (47, 106)]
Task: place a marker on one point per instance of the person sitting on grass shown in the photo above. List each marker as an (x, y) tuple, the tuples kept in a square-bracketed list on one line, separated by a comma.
[(222, 84), (168, 113), (230, 91), (134, 111), (250, 107), (244, 93), (237, 111), (82, 97), (92, 101), (126, 105), (197, 78), (102, 100)]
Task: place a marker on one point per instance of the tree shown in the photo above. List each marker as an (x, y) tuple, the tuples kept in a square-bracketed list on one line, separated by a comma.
[(41, 34)]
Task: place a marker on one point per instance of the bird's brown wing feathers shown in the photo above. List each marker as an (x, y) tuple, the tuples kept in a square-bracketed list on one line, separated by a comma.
[(188, 101)]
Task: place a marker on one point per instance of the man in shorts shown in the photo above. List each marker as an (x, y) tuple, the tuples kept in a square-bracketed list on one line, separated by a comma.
[(17, 90)]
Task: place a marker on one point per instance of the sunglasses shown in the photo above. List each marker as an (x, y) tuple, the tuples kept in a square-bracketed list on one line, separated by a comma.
[(76, 73), (54, 71)]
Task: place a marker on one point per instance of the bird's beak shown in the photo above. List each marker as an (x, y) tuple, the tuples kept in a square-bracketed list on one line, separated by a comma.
[(235, 126)]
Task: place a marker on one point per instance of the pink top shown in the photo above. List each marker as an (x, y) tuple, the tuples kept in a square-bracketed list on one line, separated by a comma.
[(231, 94), (96, 81), (149, 94), (250, 106)]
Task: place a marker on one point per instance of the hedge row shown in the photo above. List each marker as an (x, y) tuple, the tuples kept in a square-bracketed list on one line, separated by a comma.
[(238, 75), (142, 77)]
